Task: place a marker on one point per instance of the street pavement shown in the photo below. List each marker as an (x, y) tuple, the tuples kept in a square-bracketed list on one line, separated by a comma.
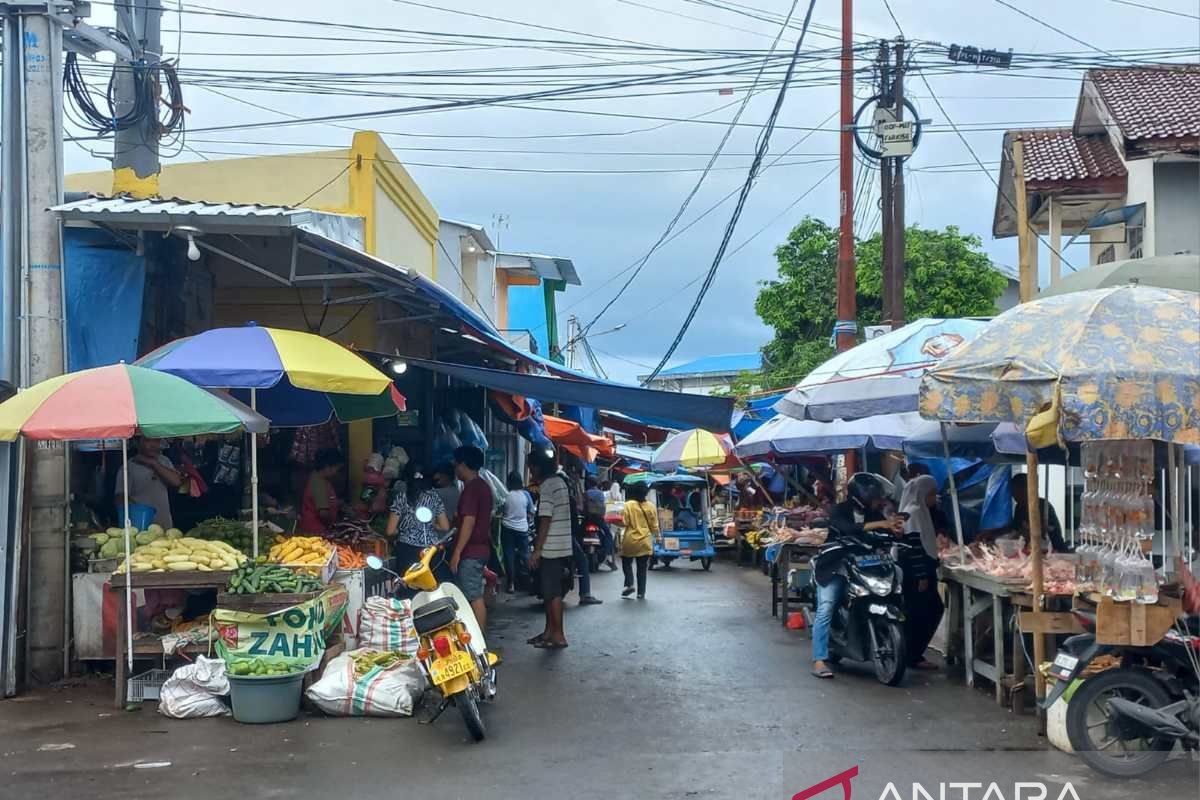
[(695, 692)]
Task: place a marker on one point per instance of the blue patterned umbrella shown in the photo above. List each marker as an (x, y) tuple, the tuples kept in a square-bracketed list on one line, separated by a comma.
[(1117, 363)]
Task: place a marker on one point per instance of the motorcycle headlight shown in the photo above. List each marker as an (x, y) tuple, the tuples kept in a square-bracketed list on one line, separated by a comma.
[(857, 590), (878, 585)]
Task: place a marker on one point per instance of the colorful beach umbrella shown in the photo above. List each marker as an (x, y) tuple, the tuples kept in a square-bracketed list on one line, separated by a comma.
[(879, 376), (297, 378), (1116, 363), (691, 449), (118, 402)]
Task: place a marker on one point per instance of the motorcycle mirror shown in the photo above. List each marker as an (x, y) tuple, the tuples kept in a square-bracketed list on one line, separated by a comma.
[(374, 562), (423, 515)]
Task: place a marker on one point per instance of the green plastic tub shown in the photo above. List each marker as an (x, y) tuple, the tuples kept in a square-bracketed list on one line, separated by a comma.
[(265, 699)]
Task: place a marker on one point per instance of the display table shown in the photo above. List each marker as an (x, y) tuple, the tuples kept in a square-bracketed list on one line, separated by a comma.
[(788, 557), (973, 595), (216, 581)]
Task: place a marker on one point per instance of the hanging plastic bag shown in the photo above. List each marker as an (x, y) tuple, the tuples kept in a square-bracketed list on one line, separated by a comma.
[(385, 623), (499, 490), (468, 431), (445, 442), (382, 691), (194, 690)]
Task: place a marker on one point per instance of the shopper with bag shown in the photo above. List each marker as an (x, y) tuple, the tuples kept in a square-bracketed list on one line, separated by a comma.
[(640, 520), (552, 547)]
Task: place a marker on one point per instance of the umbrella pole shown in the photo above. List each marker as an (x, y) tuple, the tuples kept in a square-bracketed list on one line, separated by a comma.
[(1035, 552), (962, 550), (129, 610), (254, 474)]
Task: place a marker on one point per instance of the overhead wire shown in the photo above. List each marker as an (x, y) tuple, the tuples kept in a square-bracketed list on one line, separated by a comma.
[(764, 142)]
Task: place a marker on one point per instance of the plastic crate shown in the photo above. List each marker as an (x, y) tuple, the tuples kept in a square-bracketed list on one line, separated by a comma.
[(323, 572), (146, 686)]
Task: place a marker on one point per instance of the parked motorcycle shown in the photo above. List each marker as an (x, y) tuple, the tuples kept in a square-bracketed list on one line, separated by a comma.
[(452, 650), (868, 625), (592, 545), (1125, 721)]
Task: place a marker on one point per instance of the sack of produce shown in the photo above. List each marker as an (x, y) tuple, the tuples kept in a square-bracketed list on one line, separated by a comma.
[(369, 683), (296, 634), (194, 690), (385, 623)]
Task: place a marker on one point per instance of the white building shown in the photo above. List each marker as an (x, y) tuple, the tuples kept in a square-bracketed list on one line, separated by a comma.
[(706, 375), (1126, 174)]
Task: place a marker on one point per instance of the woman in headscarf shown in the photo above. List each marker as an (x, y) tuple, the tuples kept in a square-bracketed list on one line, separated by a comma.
[(923, 606)]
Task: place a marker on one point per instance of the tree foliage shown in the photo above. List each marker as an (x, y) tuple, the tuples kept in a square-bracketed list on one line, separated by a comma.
[(946, 275)]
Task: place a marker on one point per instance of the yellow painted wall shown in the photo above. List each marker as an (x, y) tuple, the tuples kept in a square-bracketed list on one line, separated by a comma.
[(288, 180)]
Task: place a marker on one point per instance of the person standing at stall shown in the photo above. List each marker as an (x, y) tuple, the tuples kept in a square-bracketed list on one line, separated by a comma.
[(412, 535), (923, 608), (321, 507), (473, 546), (152, 478), (640, 520), (447, 486), (514, 530)]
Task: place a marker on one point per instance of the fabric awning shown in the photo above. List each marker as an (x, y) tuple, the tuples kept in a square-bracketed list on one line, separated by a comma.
[(688, 410)]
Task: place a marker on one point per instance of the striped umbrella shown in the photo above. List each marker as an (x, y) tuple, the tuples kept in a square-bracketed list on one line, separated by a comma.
[(118, 402), (691, 449)]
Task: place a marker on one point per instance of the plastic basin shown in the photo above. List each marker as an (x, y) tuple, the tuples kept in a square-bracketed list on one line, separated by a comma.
[(140, 516), (265, 699)]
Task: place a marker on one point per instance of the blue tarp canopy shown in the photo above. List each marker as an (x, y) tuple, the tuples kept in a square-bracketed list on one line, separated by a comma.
[(687, 410)]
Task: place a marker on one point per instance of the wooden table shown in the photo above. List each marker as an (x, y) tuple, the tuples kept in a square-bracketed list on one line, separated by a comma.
[(215, 581), (977, 594), (791, 556)]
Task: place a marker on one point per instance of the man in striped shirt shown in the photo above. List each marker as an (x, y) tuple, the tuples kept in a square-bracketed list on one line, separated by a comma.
[(552, 553)]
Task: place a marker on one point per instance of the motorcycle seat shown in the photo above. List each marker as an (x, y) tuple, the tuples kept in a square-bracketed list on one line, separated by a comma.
[(433, 615)]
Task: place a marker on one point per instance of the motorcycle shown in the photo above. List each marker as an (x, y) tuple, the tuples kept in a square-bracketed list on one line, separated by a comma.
[(868, 625), (452, 652), (1124, 721), (592, 545)]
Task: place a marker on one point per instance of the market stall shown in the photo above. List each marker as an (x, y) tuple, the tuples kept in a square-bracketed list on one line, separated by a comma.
[(119, 402), (1118, 368)]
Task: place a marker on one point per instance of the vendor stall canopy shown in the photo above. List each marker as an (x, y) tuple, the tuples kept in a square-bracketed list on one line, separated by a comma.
[(879, 376), (1117, 363)]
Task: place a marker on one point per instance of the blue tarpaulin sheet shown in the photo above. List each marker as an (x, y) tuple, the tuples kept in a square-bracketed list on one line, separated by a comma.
[(104, 284)]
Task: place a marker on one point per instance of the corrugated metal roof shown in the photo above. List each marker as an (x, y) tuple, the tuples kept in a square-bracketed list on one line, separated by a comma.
[(549, 267), (727, 364), (173, 206)]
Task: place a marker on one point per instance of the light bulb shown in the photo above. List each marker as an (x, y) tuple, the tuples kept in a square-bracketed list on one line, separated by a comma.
[(399, 367), (193, 252)]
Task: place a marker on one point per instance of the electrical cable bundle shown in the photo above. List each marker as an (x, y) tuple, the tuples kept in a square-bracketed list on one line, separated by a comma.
[(97, 112)]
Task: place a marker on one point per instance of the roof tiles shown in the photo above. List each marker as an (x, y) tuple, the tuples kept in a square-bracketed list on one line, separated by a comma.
[(1056, 156), (1152, 102)]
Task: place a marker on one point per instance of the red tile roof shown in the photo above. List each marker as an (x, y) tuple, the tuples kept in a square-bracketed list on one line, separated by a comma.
[(1055, 158), (1152, 102)]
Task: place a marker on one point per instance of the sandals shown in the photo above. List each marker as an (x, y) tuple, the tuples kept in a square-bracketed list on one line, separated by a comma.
[(547, 645), (824, 674), (533, 640)]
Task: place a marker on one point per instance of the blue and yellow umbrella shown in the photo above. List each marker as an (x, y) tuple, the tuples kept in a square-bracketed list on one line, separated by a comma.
[(1116, 363)]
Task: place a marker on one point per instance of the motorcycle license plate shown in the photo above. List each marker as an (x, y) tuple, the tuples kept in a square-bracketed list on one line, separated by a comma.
[(671, 543), (450, 667), (1064, 665)]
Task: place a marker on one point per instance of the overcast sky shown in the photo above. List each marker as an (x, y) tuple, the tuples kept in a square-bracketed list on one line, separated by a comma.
[(601, 214)]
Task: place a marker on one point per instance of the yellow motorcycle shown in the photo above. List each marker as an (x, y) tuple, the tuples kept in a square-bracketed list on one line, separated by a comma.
[(452, 651)]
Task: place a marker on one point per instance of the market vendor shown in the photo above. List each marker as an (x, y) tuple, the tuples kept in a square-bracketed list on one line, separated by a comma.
[(152, 478), (1051, 528), (321, 507)]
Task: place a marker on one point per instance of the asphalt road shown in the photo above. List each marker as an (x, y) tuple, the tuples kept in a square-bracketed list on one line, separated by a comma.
[(694, 692)]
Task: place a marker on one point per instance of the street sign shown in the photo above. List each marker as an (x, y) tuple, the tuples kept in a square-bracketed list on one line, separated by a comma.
[(896, 138), (874, 331)]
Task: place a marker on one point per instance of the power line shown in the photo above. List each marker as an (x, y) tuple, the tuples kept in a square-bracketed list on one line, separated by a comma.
[(700, 182), (1159, 9), (763, 143), (1057, 30)]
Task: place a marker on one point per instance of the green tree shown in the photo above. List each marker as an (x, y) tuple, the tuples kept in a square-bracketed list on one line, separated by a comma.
[(946, 275)]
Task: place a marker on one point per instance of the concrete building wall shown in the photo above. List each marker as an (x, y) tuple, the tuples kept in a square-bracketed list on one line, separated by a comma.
[(1141, 190), (1176, 208)]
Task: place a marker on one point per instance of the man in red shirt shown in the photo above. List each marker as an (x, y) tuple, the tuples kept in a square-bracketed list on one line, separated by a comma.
[(473, 546)]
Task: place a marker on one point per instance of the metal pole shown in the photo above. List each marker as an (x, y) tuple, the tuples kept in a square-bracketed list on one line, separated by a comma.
[(135, 149), (254, 474), (129, 609), (897, 267), (962, 548), (847, 284), (885, 195)]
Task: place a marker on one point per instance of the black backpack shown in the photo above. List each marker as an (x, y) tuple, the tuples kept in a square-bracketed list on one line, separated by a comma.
[(576, 515)]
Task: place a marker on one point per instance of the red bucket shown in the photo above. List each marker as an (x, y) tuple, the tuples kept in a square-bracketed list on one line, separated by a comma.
[(795, 621)]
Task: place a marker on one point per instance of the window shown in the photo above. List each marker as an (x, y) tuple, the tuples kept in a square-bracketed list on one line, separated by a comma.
[(1106, 255), (1134, 230)]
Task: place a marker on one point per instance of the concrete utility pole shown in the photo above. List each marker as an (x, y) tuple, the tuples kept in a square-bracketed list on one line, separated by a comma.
[(897, 249), (33, 337), (135, 149)]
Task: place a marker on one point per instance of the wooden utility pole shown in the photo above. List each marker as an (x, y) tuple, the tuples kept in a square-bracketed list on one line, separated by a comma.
[(1024, 266), (847, 310), (897, 250)]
